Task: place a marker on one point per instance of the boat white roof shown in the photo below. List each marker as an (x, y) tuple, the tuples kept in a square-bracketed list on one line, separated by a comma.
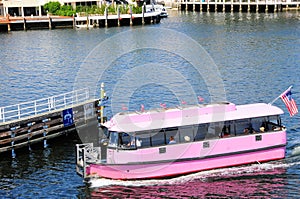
[(188, 115)]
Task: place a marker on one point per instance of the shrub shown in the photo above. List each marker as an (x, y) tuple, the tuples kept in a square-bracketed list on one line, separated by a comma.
[(52, 7)]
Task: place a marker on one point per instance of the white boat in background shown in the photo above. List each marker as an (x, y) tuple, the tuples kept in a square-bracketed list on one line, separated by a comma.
[(157, 8)]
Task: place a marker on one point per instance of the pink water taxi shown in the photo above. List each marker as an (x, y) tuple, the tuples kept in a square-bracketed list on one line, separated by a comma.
[(169, 142)]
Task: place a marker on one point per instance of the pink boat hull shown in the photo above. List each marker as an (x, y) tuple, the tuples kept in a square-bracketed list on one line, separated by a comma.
[(180, 167)]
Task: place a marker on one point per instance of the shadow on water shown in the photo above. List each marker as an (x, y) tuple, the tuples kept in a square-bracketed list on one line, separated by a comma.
[(42, 172)]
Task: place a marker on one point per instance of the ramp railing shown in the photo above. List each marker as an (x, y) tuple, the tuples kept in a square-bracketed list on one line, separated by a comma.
[(31, 108)]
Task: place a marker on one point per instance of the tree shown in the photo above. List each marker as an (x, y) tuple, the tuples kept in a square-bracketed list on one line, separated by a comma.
[(52, 7)]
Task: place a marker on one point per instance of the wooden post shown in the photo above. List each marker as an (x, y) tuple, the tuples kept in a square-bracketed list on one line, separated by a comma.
[(102, 96), (130, 10), (87, 22), (74, 21), (200, 5), (208, 6), (143, 13), (118, 12), (24, 21), (8, 27), (248, 6), (186, 5), (50, 23), (8, 23), (106, 17)]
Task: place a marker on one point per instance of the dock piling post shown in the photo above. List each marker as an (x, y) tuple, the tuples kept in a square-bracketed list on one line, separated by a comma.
[(87, 22), (102, 97), (13, 154), (208, 8), (200, 5), (45, 127), (45, 139), (50, 23), (118, 12), (29, 136), (8, 27), (130, 10), (24, 19), (74, 22), (106, 16), (143, 13)]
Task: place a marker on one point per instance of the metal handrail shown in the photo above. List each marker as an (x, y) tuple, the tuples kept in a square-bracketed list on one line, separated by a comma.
[(26, 109)]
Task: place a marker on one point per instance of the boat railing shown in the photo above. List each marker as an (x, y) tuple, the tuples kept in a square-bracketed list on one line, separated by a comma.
[(86, 153), (31, 108)]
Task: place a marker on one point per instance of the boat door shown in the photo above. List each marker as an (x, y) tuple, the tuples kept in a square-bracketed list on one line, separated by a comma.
[(103, 137)]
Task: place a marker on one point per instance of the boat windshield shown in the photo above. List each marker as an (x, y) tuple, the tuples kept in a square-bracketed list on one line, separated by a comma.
[(124, 140)]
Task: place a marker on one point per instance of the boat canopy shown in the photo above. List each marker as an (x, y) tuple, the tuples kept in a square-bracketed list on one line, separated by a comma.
[(188, 115)]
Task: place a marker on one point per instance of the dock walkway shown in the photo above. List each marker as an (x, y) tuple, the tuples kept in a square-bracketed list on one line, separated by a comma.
[(239, 5), (51, 22), (36, 121)]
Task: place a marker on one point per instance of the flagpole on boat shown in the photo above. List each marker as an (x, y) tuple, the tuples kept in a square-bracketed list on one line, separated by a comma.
[(280, 95)]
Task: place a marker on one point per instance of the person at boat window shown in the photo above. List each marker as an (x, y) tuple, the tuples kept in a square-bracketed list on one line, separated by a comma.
[(187, 138), (225, 132), (172, 140), (246, 131), (135, 141), (264, 125)]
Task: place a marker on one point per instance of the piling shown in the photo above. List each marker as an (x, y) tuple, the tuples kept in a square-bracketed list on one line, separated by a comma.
[(119, 15), (24, 21), (106, 17), (50, 23), (130, 10), (143, 13)]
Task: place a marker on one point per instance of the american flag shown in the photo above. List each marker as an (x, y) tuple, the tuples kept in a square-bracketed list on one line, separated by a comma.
[(289, 102)]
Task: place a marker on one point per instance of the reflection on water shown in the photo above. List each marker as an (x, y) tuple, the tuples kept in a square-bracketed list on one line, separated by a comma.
[(264, 181)]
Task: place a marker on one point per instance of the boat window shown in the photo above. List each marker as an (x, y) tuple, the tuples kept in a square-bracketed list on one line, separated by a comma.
[(201, 131), (144, 139), (172, 132), (113, 139), (274, 123), (125, 139), (214, 130), (186, 133), (227, 129), (158, 138), (243, 126), (257, 123)]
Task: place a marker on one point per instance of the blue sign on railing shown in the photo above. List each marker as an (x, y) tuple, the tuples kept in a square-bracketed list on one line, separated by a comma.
[(68, 117)]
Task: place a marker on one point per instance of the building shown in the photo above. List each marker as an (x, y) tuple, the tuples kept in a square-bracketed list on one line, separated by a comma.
[(35, 7)]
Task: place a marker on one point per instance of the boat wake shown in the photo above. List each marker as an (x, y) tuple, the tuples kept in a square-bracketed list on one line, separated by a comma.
[(275, 167)]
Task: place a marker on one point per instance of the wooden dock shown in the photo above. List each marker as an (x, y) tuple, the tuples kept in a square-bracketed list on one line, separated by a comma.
[(238, 5), (25, 124), (51, 22)]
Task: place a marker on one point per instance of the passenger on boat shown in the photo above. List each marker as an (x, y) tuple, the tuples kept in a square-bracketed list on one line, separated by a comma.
[(225, 132), (187, 138), (246, 131), (172, 140), (135, 141)]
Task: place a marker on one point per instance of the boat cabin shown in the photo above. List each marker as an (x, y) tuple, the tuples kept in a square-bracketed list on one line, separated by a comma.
[(131, 131)]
